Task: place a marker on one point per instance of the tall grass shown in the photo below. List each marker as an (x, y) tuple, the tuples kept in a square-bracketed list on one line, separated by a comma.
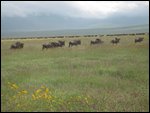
[(84, 78)]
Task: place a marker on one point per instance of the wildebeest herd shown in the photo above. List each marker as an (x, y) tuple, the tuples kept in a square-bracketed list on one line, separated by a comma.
[(19, 45), (53, 44)]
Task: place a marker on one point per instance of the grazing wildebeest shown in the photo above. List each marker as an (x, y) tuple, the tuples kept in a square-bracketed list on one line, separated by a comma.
[(139, 40), (97, 41), (21, 45), (46, 46), (115, 41), (17, 45), (13, 46), (78, 42), (75, 42), (62, 43), (53, 44)]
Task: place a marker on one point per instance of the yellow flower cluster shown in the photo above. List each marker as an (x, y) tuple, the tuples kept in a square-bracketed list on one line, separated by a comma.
[(16, 88), (13, 85), (42, 93), (22, 92)]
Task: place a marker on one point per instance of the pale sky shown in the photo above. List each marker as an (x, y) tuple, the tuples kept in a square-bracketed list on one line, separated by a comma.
[(83, 9), (73, 10)]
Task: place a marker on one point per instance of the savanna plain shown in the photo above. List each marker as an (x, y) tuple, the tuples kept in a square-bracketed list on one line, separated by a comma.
[(101, 77)]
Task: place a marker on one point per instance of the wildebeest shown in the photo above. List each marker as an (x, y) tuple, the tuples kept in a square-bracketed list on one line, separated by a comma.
[(97, 41), (13, 46), (139, 40), (61, 43), (46, 46), (17, 45), (53, 45), (75, 42), (58, 44), (115, 41)]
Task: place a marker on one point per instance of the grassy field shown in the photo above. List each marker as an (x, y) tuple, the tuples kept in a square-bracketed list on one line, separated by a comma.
[(84, 78)]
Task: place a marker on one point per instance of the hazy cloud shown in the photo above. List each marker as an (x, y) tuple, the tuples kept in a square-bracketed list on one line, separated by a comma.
[(78, 9), (55, 15)]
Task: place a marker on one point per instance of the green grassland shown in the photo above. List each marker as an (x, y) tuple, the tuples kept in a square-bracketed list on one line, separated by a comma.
[(86, 77)]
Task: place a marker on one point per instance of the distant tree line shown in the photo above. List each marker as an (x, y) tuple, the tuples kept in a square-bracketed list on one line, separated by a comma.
[(77, 36)]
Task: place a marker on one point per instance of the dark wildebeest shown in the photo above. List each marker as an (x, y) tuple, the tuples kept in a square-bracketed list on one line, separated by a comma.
[(46, 46), (21, 45), (139, 40), (62, 43), (78, 42), (58, 44), (75, 42), (97, 41), (17, 45), (13, 46), (53, 44), (115, 41)]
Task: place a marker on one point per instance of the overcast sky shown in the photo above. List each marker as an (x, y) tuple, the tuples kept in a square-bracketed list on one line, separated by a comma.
[(31, 15)]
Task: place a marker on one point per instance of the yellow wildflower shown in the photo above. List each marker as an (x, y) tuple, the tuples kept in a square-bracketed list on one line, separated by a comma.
[(40, 96), (14, 86), (24, 92), (47, 90), (43, 87), (45, 95), (38, 91), (33, 96)]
